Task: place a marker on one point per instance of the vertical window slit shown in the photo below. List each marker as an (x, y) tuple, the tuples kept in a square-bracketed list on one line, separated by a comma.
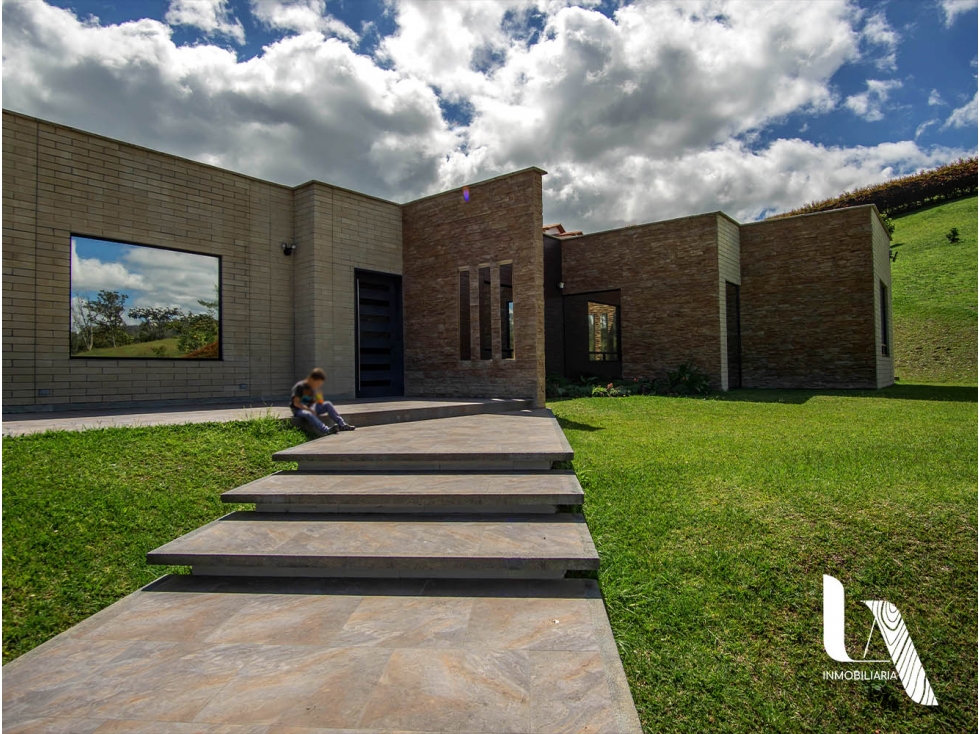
[(465, 348), (485, 311)]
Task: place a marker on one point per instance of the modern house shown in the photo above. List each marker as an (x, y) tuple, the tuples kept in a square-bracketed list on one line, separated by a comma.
[(441, 296), (796, 302)]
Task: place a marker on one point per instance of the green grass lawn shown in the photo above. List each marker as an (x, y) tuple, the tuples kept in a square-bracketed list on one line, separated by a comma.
[(934, 294), (716, 519), (80, 511), (142, 349)]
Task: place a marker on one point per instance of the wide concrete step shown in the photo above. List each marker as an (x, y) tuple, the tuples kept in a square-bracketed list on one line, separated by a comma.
[(525, 440), (291, 491), (448, 546), (383, 411)]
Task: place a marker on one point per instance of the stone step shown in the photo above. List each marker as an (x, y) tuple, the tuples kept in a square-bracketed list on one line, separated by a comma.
[(291, 491), (383, 411), (389, 546), (525, 440)]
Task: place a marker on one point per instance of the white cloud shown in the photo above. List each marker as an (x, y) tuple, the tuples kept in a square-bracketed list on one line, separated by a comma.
[(659, 111), (935, 99), (211, 16), (307, 107), (870, 104), (300, 16), (91, 275), (150, 277), (954, 8), (920, 130), (878, 32), (744, 183), (964, 116)]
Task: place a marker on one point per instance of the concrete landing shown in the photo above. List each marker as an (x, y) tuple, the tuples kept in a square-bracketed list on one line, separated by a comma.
[(502, 492), (524, 440), (358, 412), (400, 546), (208, 656)]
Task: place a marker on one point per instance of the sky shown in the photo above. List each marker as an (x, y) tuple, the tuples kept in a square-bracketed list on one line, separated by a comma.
[(150, 276), (638, 111)]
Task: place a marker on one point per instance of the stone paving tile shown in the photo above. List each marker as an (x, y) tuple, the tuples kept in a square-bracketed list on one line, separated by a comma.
[(557, 487), (452, 690), (410, 542), (569, 694), (330, 656), (363, 412), (524, 435), (392, 621), (51, 725)]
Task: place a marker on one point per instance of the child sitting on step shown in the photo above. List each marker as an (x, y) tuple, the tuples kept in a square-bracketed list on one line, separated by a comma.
[(308, 405)]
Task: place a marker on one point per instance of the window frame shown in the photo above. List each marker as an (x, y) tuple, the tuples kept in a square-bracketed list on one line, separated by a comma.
[(114, 240)]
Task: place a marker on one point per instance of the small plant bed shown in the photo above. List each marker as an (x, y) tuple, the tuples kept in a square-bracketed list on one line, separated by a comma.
[(684, 380)]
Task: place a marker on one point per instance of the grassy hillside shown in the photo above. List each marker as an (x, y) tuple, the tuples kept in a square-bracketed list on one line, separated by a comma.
[(141, 349), (934, 294)]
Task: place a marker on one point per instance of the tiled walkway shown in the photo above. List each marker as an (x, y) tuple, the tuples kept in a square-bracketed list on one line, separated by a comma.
[(357, 412), (405, 615)]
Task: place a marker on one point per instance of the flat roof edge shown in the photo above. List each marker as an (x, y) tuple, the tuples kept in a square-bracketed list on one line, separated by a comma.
[(815, 214), (643, 224), (541, 171)]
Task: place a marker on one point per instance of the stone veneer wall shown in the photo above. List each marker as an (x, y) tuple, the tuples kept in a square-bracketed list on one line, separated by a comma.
[(502, 222), (882, 272), (668, 276), (807, 301), (729, 271)]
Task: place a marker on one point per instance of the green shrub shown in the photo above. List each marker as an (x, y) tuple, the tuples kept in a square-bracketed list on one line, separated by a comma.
[(687, 379), (952, 235)]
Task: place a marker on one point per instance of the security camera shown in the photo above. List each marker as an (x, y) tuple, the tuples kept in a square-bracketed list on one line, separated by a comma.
[(288, 249)]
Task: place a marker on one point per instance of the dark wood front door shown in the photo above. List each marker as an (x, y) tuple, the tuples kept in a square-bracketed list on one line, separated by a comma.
[(733, 335), (380, 342)]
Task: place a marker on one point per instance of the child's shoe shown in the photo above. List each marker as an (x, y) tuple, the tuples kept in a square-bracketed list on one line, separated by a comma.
[(348, 427)]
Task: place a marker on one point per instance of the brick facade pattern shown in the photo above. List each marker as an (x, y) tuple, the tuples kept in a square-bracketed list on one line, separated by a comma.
[(807, 301), (500, 223), (668, 276)]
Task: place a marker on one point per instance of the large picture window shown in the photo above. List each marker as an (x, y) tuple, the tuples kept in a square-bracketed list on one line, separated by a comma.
[(603, 332), (135, 301)]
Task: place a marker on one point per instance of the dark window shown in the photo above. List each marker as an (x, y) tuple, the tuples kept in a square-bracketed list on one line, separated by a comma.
[(603, 332), (465, 344), (485, 313), (143, 302), (885, 347), (506, 310)]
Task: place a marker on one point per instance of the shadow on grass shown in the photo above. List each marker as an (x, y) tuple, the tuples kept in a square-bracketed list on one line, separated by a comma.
[(575, 425), (941, 393)]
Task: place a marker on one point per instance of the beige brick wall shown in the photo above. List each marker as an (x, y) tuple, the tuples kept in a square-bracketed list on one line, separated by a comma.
[(502, 222), (337, 232), (19, 259), (58, 182), (882, 273), (728, 271)]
